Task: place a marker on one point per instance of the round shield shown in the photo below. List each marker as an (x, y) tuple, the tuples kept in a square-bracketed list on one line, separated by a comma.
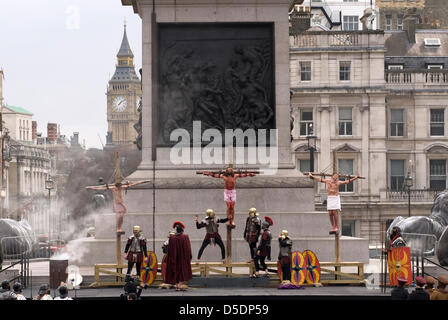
[(298, 268), (149, 268), (163, 267), (279, 270), (312, 267)]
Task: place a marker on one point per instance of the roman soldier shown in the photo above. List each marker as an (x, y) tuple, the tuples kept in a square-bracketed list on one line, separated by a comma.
[(441, 293), (396, 239), (252, 231), (264, 248), (211, 224), (178, 258), (284, 255), (430, 282), (135, 250), (165, 244)]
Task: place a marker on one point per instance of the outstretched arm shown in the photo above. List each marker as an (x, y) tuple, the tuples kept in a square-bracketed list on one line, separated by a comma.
[(316, 178), (98, 187), (211, 174), (131, 184), (349, 180), (243, 175)]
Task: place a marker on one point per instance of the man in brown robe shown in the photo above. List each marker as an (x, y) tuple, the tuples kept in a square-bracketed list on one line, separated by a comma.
[(178, 259)]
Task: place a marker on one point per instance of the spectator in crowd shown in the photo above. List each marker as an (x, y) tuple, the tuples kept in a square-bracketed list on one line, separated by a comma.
[(419, 293), (441, 293), (132, 296), (400, 292), (63, 293), (430, 282), (44, 293), (6, 293), (17, 287)]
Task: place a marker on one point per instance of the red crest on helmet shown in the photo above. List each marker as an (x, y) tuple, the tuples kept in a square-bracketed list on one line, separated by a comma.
[(269, 220), (179, 223)]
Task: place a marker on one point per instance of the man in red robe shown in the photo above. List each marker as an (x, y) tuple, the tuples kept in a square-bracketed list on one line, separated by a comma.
[(178, 259)]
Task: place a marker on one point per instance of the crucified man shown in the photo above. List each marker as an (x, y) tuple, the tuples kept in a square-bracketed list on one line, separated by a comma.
[(117, 193), (333, 200), (229, 189)]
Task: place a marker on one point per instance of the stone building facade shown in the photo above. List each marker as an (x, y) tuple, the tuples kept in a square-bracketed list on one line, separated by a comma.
[(339, 14), (379, 100), (430, 13)]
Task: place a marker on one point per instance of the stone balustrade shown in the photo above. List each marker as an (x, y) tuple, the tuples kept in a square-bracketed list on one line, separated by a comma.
[(336, 39), (416, 79)]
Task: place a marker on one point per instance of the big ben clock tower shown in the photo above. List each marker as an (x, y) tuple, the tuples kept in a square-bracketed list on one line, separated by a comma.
[(123, 96)]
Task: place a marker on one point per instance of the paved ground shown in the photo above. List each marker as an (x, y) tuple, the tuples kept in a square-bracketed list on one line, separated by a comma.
[(230, 293), (39, 270)]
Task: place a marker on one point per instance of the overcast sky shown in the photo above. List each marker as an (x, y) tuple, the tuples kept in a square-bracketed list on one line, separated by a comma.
[(58, 55)]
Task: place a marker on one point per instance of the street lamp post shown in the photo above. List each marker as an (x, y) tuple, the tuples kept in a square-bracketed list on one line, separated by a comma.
[(49, 185), (409, 183), (311, 148)]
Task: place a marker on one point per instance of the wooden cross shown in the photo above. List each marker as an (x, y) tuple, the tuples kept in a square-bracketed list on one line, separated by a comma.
[(335, 171), (230, 226)]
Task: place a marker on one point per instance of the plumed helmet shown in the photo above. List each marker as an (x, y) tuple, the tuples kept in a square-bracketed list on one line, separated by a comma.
[(210, 213), (178, 223), (268, 222)]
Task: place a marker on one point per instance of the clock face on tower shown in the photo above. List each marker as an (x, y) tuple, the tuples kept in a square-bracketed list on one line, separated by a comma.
[(119, 104)]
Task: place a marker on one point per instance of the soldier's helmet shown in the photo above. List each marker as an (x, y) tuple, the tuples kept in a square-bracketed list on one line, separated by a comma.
[(210, 213), (253, 212), (284, 233), (268, 222)]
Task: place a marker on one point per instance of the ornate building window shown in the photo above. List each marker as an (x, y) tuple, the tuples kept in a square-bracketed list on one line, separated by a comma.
[(388, 22), (351, 23), (304, 165), (348, 228), (305, 71), (437, 174), (345, 122), (344, 70), (306, 122), (397, 174), (396, 122), (437, 125), (345, 166), (400, 22)]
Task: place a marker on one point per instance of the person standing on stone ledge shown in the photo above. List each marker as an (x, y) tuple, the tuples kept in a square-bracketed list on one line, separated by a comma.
[(284, 255), (252, 232), (135, 250), (211, 225), (264, 248), (178, 259)]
